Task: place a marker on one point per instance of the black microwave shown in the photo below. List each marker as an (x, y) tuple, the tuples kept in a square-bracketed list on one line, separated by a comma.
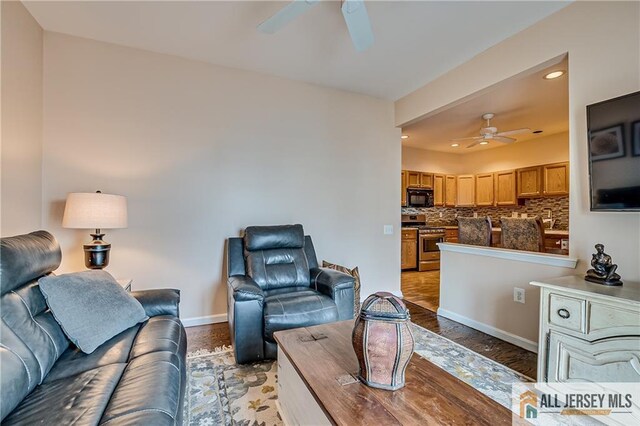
[(419, 197)]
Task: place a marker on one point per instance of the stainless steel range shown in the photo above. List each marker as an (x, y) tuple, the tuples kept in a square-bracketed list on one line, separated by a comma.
[(428, 238)]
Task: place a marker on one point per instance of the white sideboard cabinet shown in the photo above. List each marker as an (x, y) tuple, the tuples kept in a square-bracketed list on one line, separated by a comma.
[(588, 332)]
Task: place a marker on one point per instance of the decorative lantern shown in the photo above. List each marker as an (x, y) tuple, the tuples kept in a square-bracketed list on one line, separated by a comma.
[(383, 341)]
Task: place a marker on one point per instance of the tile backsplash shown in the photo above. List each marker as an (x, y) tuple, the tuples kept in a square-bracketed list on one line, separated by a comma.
[(559, 207)]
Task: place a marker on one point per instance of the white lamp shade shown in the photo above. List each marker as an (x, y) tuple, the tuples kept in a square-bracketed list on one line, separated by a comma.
[(91, 210)]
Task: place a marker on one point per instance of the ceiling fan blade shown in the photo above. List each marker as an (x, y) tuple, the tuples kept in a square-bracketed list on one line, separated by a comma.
[(357, 19), (471, 138), (286, 15), (503, 139), (513, 132), (475, 143)]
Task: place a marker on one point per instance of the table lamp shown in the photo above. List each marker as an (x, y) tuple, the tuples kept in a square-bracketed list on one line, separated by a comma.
[(88, 210)]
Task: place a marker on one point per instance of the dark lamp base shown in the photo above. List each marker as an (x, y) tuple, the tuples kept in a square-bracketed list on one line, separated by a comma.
[(96, 254)]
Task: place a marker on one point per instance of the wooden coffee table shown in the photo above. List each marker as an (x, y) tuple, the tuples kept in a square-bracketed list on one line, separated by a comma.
[(315, 362)]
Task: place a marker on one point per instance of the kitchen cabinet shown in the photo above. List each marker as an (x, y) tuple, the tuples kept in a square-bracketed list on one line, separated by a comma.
[(450, 190), (450, 235), (413, 179), (555, 179), (505, 188), (409, 249), (403, 188), (465, 188), (438, 190), (426, 180), (419, 179), (529, 182), (484, 189)]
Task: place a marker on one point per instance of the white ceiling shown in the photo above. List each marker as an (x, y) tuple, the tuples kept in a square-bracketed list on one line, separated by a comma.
[(415, 42), (528, 101)]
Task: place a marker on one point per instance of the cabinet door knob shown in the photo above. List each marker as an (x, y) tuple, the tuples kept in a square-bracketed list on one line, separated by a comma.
[(563, 313)]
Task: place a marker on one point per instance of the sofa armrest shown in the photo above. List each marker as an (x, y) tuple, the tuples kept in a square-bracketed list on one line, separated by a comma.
[(337, 285), (244, 288), (163, 301)]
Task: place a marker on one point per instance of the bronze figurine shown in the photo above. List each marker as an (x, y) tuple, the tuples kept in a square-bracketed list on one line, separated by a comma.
[(604, 270)]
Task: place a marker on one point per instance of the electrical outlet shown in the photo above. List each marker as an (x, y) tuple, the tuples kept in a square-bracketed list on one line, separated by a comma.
[(514, 214), (388, 229), (518, 295), (564, 244), (524, 215), (475, 214), (441, 214)]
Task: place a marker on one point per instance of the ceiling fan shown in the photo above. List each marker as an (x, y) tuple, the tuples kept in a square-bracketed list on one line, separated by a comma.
[(354, 12), (489, 133)]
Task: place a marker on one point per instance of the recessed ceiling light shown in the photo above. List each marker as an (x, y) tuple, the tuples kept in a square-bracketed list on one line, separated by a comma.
[(455, 145), (537, 131), (554, 74), (484, 143), (404, 137)]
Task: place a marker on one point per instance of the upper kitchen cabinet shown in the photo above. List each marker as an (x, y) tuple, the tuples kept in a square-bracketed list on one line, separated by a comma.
[(484, 189), (529, 182), (555, 179), (450, 182), (413, 179), (426, 180), (505, 188), (419, 179), (465, 190), (438, 190), (403, 188)]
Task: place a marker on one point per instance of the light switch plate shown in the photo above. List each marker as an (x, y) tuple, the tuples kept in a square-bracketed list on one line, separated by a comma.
[(388, 230)]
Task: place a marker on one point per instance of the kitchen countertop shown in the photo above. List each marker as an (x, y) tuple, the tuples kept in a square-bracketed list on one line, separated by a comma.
[(557, 232)]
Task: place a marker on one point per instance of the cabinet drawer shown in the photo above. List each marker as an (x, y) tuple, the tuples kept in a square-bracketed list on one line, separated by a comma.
[(431, 255), (567, 312), (409, 234), (606, 320)]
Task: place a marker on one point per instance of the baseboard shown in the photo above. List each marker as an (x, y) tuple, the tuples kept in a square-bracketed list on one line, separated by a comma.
[(490, 330), (208, 319)]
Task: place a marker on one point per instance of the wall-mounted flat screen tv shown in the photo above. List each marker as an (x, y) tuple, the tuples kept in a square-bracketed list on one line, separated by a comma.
[(614, 153)]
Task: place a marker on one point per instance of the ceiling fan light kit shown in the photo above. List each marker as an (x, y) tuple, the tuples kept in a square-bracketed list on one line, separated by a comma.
[(490, 133), (354, 13)]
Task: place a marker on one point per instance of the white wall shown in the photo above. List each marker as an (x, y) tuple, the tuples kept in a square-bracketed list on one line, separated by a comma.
[(595, 35), (424, 160), (488, 301), (21, 141), (543, 150), (203, 151)]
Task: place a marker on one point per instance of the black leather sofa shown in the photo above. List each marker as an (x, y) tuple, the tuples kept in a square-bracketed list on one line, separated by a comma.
[(137, 377), (275, 284)]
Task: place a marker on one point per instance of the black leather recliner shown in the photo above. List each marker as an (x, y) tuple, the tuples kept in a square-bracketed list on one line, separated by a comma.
[(275, 284), (137, 377)]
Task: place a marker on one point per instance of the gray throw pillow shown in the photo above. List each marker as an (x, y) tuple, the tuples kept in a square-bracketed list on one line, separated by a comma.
[(91, 307)]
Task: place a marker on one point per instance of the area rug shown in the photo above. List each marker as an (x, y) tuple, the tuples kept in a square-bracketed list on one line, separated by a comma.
[(221, 392)]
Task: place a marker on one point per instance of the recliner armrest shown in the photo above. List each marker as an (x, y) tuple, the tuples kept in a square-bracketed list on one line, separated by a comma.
[(163, 301), (337, 285), (327, 280), (244, 288)]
